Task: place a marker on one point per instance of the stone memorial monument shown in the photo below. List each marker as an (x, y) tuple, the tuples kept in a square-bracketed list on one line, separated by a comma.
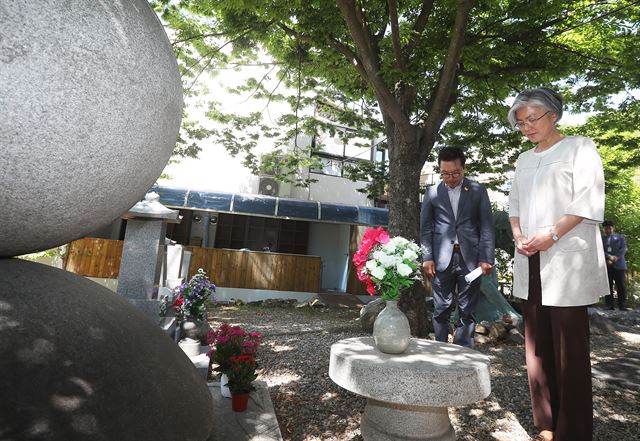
[(143, 253), (91, 103)]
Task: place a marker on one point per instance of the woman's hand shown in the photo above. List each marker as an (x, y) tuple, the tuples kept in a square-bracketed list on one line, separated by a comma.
[(521, 249), (539, 242)]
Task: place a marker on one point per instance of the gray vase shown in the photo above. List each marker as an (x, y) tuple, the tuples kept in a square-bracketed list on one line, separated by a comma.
[(195, 329), (391, 332)]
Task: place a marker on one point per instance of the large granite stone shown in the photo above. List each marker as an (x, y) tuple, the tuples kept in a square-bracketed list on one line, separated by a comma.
[(408, 394), (428, 373), (91, 103), (80, 363)]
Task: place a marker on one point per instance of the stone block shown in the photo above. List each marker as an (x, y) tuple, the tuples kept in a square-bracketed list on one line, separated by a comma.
[(258, 423), (497, 331), (141, 258), (91, 108), (514, 337), (428, 373), (90, 365), (408, 394)]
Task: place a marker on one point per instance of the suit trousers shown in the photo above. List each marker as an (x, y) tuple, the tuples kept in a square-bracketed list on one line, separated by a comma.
[(445, 284), (558, 364), (619, 277)]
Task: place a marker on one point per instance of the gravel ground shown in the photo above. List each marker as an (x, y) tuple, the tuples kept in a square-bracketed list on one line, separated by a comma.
[(294, 362)]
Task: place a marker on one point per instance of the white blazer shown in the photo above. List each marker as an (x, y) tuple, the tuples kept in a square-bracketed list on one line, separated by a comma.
[(568, 180)]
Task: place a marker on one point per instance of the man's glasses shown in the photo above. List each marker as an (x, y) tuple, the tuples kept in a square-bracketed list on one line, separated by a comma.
[(455, 174), (530, 121)]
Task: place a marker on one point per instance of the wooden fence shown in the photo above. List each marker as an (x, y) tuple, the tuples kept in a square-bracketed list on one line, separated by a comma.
[(225, 267), (94, 257)]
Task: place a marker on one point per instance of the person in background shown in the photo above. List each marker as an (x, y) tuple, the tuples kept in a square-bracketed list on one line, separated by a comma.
[(555, 205), (457, 235), (615, 247)]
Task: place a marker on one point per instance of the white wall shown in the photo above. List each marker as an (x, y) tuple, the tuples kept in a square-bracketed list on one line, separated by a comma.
[(333, 189), (331, 243)]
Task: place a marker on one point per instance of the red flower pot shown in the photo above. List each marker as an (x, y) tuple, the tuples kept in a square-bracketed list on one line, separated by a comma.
[(239, 402)]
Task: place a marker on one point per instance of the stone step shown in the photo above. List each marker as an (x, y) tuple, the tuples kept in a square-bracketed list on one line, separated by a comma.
[(257, 423)]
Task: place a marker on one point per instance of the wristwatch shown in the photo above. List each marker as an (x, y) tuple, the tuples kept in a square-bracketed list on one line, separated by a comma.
[(554, 236)]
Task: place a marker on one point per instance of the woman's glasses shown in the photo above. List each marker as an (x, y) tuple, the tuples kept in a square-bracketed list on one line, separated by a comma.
[(530, 121)]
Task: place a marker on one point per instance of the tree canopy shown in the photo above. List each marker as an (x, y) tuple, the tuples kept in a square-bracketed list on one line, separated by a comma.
[(420, 72)]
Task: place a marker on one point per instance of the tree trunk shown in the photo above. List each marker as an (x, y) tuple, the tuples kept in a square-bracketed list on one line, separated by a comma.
[(404, 215)]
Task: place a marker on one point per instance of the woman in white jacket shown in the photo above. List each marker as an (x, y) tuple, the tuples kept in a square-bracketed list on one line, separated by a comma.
[(555, 205)]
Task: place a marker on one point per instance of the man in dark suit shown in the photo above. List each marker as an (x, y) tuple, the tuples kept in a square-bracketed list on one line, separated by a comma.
[(457, 236), (615, 247)]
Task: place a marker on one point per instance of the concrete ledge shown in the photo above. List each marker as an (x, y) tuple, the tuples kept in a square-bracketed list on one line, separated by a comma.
[(258, 423)]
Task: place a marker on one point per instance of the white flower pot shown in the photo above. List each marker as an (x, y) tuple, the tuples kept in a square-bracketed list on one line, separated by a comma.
[(190, 346), (224, 389)]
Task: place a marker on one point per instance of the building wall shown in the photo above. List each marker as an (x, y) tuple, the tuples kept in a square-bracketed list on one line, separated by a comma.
[(331, 243), (333, 189)]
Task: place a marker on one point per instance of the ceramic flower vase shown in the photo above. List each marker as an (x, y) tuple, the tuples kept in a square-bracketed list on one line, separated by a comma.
[(224, 389), (195, 329), (391, 332), (239, 402)]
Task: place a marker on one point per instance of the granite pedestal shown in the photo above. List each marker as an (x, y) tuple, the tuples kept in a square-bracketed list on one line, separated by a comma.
[(408, 394)]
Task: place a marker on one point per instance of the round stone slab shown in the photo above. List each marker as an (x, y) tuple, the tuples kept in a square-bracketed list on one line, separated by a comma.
[(428, 373), (80, 363), (91, 101)]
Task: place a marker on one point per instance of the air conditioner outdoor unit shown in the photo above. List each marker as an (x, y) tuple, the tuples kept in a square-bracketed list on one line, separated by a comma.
[(268, 186)]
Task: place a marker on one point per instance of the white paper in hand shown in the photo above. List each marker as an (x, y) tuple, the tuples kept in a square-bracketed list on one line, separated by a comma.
[(473, 275)]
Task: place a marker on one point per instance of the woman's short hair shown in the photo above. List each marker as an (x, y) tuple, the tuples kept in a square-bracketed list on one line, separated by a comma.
[(548, 99), (451, 154)]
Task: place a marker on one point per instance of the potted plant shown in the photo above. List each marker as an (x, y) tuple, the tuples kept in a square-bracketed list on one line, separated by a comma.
[(190, 305), (241, 374), (388, 265), (227, 342)]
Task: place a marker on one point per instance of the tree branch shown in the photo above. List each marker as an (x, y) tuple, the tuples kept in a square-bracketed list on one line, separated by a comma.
[(380, 35), (419, 25), (445, 87), (194, 37), (395, 34), (520, 68), (371, 66), (604, 61)]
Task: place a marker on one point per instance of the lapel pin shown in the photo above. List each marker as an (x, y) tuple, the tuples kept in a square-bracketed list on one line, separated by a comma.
[(466, 189)]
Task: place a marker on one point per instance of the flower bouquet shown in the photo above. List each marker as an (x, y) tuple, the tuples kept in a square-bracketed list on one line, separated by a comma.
[(242, 373), (386, 265), (193, 295), (230, 341)]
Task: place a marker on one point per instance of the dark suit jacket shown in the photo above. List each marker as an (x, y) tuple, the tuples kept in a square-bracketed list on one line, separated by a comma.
[(474, 226), (618, 248)]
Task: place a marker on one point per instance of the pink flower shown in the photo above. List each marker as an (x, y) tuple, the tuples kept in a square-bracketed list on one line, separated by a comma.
[(371, 289), (371, 238)]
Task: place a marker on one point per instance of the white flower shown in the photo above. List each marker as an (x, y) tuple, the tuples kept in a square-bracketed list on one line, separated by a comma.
[(378, 272), (409, 254), (388, 261), (399, 241), (389, 247), (371, 265), (403, 269)]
